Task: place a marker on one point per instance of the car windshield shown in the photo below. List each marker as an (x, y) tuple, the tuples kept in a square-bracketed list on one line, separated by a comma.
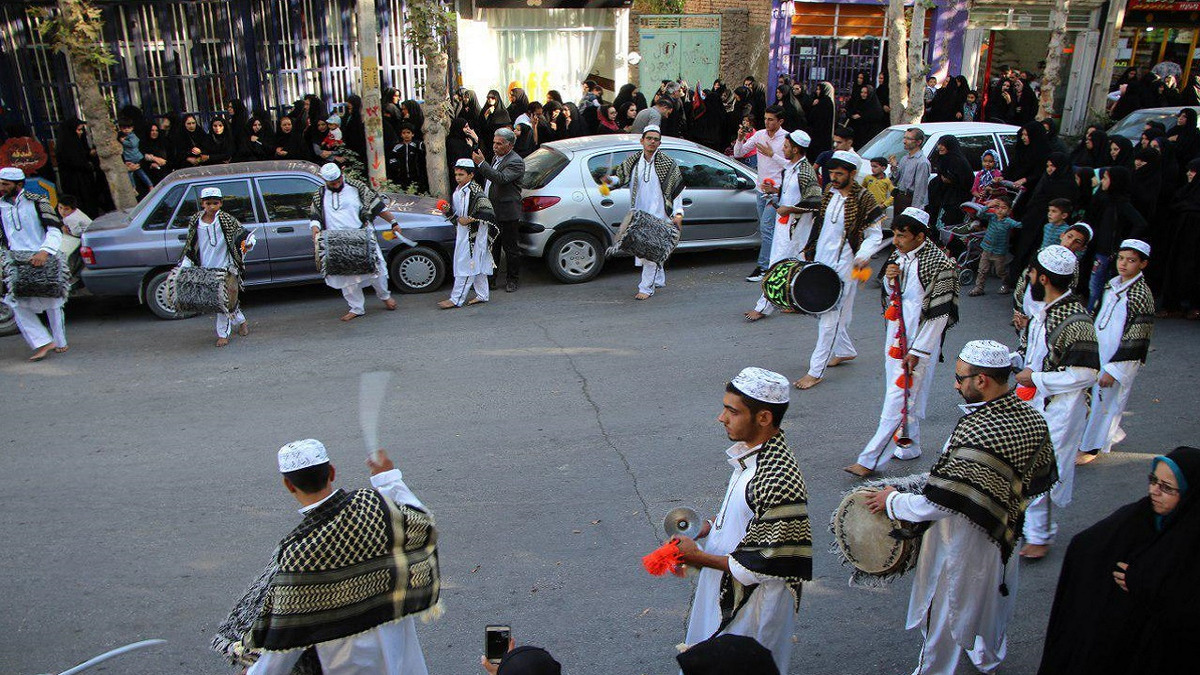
[(541, 166), (1131, 127), (888, 143)]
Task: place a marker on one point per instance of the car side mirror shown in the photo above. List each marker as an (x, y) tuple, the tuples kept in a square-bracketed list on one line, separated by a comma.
[(744, 183)]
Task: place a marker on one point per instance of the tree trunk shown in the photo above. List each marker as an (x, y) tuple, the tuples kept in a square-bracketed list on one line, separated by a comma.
[(916, 67), (372, 113), (1054, 57), (437, 122), (104, 135), (897, 61), (1098, 102)]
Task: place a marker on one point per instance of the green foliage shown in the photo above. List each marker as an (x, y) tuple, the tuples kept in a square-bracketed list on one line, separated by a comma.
[(75, 27), (429, 23), (355, 168), (659, 6)]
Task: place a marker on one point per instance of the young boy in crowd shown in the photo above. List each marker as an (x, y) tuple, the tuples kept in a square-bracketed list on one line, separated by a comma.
[(1057, 213), (993, 256), (131, 153), (471, 212), (989, 174), (970, 109), (409, 157), (1124, 323), (878, 183), (75, 222)]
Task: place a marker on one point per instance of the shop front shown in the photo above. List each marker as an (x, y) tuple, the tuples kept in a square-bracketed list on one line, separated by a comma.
[(1155, 32)]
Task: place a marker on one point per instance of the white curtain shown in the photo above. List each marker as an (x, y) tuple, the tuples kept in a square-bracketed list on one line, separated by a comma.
[(535, 49)]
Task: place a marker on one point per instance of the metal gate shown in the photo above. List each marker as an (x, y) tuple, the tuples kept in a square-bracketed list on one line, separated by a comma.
[(836, 60), (679, 47)]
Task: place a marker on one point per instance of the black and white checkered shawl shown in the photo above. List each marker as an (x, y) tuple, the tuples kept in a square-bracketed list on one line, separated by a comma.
[(46, 214), (998, 458), (233, 232), (479, 207), (670, 178), (938, 276), (373, 203), (1018, 298), (861, 211), (778, 540), (357, 561), (1071, 337), (1139, 323)]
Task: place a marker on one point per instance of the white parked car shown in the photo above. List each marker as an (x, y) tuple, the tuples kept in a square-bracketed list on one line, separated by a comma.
[(975, 138)]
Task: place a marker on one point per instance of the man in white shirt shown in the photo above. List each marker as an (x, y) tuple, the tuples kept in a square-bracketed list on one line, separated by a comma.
[(1061, 364), (345, 585), (846, 232), (656, 186), (768, 142), (29, 225), (216, 239), (998, 456), (758, 549), (921, 295)]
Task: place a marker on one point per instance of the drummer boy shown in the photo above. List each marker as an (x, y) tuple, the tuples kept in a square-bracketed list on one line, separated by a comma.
[(216, 239)]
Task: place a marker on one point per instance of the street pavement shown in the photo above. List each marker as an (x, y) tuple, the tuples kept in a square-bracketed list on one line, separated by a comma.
[(549, 432)]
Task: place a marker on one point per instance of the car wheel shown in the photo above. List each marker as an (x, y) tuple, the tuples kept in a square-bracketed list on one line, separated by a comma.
[(417, 270), (966, 277), (575, 257), (8, 321), (156, 298)]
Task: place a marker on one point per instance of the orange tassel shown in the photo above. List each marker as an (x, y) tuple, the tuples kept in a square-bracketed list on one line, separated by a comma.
[(892, 313), (442, 205), (861, 275), (894, 352), (1025, 393), (665, 558), (783, 220), (769, 181), (904, 381)]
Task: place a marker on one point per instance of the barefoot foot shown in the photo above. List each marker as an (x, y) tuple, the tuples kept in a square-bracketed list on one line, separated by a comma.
[(807, 382), (221, 342), (350, 316), (42, 352)]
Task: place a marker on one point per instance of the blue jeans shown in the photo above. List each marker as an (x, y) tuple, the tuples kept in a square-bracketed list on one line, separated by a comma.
[(766, 229), (1096, 284), (140, 175)]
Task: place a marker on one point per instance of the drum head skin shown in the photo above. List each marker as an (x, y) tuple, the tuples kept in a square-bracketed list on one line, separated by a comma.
[(816, 288), (865, 538)]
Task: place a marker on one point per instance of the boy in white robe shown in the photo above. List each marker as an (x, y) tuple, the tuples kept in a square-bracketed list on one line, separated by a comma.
[(1124, 323), (799, 194), (473, 218), (997, 457), (217, 240), (758, 549), (28, 223)]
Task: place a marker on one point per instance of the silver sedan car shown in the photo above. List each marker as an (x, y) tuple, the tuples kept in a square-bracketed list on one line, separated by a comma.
[(570, 224)]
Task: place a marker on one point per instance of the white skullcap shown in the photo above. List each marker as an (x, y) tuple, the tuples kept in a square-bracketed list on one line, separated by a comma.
[(652, 127), (762, 385), (847, 158), (986, 354), (507, 134), (301, 455), (916, 214), (1057, 259), (12, 173), (211, 193), (800, 138), (465, 163), (1087, 229), (1136, 245), (335, 120), (331, 172)]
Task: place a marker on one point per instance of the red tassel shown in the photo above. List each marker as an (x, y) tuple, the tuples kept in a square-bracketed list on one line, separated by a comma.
[(1025, 393), (783, 220), (442, 205), (904, 381), (769, 182), (892, 313), (895, 352), (665, 558)]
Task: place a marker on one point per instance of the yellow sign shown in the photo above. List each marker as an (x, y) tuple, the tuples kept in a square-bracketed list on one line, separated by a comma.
[(370, 72)]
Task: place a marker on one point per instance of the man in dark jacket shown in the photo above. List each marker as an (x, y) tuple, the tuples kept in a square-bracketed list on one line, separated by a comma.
[(502, 183)]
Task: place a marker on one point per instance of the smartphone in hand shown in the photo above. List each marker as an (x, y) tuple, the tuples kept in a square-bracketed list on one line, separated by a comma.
[(495, 642)]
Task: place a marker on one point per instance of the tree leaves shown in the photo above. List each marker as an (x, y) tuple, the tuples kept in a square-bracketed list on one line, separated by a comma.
[(75, 27)]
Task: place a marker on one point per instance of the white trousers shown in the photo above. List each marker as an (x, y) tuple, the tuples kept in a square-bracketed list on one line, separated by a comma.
[(227, 321), (653, 276), (878, 450), (1040, 527), (1104, 421), (463, 286), (939, 651), (833, 337), (34, 332), (354, 293)]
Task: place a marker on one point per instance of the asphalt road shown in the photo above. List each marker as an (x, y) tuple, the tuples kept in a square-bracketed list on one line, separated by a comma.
[(549, 431)]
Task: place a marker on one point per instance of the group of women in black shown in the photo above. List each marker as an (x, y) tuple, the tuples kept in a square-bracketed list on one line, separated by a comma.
[(1136, 90)]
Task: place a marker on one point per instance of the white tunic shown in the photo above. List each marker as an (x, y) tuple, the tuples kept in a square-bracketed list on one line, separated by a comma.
[(389, 649), (24, 231), (465, 264), (833, 247), (342, 213), (210, 243), (649, 197), (1108, 403), (769, 614), (1061, 398)]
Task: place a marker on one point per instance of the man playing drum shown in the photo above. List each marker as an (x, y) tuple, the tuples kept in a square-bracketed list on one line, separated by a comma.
[(846, 232), (921, 296), (347, 204), (656, 187), (215, 239), (29, 223), (798, 195), (759, 548), (998, 457)]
